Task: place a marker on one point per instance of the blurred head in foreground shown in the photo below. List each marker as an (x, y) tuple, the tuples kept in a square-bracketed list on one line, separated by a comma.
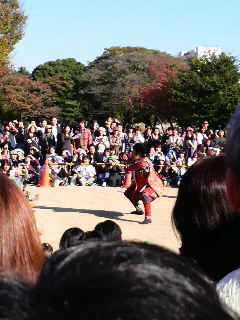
[(204, 219), (70, 238), (122, 280), (110, 230), (20, 248), (233, 160)]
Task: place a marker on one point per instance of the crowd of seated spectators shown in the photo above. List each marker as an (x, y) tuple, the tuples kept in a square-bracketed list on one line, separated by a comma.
[(97, 155)]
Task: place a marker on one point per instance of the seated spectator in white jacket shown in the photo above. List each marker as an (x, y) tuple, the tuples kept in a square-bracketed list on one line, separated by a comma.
[(86, 173)]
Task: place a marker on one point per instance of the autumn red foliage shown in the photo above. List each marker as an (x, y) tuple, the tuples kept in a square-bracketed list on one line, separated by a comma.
[(156, 97), (26, 97), (156, 93)]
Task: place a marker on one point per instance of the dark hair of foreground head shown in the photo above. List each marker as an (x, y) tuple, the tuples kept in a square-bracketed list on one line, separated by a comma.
[(122, 280), (204, 219)]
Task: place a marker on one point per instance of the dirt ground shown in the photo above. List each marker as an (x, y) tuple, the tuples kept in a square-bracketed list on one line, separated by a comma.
[(63, 207)]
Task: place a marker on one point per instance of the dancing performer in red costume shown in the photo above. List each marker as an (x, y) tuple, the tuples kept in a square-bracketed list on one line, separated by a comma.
[(147, 187)]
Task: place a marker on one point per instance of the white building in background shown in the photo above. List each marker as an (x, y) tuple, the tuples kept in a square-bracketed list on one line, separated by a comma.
[(199, 52)]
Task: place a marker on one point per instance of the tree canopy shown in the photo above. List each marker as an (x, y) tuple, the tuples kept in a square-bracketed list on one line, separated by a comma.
[(208, 90), (25, 97), (66, 78), (117, 76), (67, 69), (12, 21)]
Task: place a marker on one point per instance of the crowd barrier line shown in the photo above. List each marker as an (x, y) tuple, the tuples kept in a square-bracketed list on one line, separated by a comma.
[(106, 164)]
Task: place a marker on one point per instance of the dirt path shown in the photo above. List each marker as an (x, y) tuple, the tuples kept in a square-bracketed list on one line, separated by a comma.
[(61, 208)]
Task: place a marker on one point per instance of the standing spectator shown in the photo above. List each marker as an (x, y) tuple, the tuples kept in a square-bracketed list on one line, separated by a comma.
[(115, 141), (167, 135), (148, 138), (220, 141), (56, 130), (122, 135), (138, 136), (12, 133), (64, 142), (101, 138), (152, 154), (128, 141), (31, 139), (205, 125), (47, 141), (156, 137), (113, 125), (175, 140), (94, 129), (84, 137), (108, 125), (20, 136), (189, 144), (43, 126), (201, 135)]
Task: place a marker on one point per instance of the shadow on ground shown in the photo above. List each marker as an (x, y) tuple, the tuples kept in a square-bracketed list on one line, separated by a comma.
[(172, 197), (98, 213)]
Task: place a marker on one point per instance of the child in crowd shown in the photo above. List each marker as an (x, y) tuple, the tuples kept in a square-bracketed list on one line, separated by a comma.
[(85, 173)]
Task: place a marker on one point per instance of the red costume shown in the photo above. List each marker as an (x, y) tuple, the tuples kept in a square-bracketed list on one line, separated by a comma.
[(147, 187)]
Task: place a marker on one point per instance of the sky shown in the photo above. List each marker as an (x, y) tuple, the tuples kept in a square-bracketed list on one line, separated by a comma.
[(81, 29)]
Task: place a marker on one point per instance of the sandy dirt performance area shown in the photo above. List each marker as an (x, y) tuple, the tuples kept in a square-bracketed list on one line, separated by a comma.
[(64, 207)]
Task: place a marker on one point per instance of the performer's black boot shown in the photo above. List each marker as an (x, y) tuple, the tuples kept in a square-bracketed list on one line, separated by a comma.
[(138, 210), (147, 220)]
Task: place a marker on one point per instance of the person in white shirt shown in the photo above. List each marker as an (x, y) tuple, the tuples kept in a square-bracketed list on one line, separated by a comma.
[(86, 172), (138, 136), (102, 138), (201, 135), (175, 140), (43, 126), (192, 159), (56, 130)]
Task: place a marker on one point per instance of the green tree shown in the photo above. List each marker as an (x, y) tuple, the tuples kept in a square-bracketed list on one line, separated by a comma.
[(23, 71), (66, 79), (116, 77), (209, 90), (12, 21)]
